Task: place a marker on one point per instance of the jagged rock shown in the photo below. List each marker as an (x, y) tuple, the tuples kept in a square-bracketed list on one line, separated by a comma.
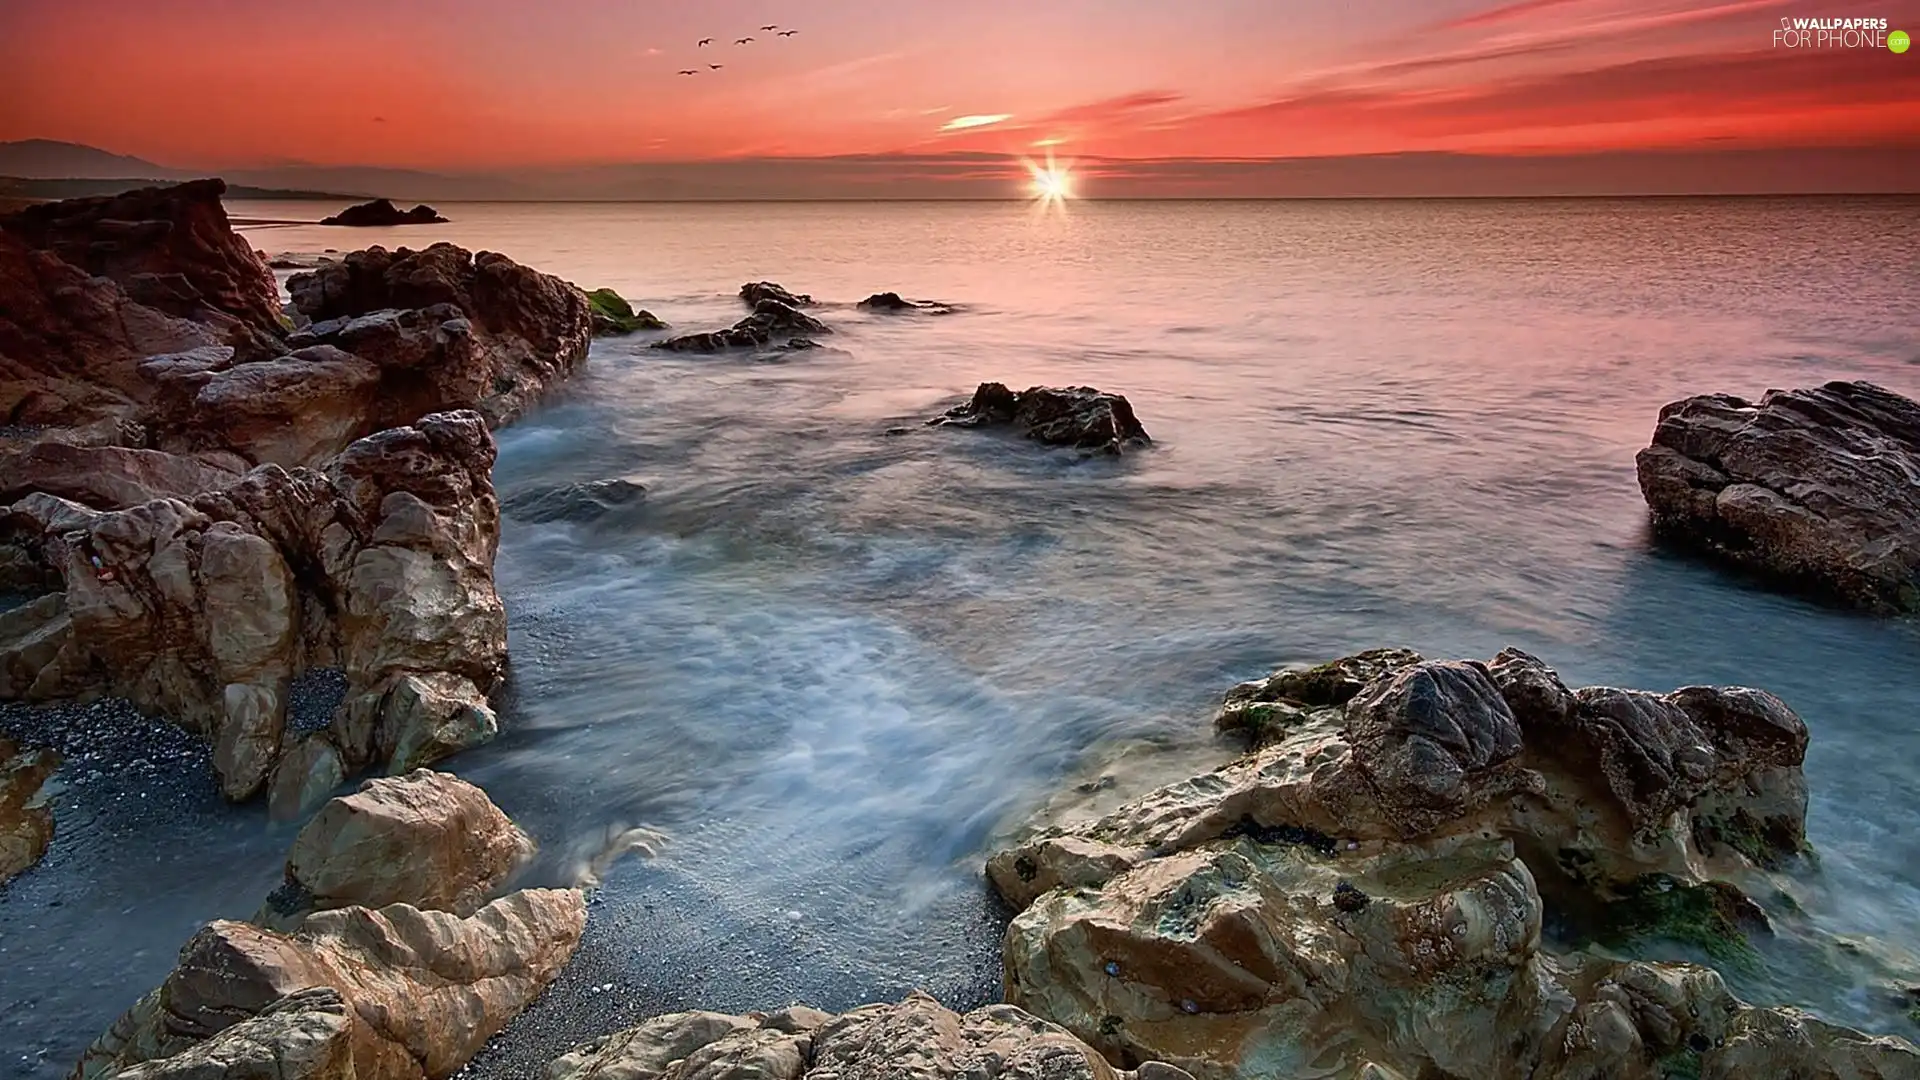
[(1362, 894), (307, 1035), (771, 318), (590, 501), (1813, 487), (380, 213), (612, 315), (425, 989), (170, 248), (527, 330), (1077, 416), (204, 610), (894, 303), (26, 825), (917, 1039), (427, 839), (755, 291), (106, 477)]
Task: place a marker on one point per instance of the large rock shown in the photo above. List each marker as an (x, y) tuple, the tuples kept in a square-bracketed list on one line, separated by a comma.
[(424, 989), (917, 1039), (1812, 487), (755, 291), (1077, 416), (204, 610), (427, 839), (170, 248), (26, 825), (381, 213), (1363, 893), (106, 477), (307, 1035), (528, 330)]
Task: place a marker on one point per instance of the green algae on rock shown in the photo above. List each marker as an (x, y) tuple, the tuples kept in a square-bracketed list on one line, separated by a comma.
[(612, 315)]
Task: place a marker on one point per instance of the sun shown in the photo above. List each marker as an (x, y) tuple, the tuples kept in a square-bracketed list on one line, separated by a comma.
[(1052, 183)]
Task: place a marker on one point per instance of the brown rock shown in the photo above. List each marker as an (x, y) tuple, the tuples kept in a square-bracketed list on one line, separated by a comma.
[(426, 988), (307, 1035), (427, 839), (1813, 487), (26, 825), (105, 477)]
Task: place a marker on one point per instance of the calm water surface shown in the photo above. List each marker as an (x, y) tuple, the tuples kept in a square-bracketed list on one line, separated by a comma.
[(833, 664)]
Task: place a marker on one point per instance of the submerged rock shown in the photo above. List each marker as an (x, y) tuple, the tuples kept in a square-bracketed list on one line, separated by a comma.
[(1812, 487), (893, 302), (771, 318), (1077, 416), (1365, 890), (612, 315), (26, 825), (585, 502), (382, 212), (917, 1039), (755, 291)]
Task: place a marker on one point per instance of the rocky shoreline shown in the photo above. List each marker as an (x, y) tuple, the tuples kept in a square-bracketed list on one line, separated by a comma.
[(276, 527)]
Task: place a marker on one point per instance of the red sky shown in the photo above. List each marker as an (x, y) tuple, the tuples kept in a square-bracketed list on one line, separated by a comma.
[(486, 84)]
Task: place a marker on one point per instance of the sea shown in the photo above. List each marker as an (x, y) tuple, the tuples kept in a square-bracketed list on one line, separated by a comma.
[(836, 655)]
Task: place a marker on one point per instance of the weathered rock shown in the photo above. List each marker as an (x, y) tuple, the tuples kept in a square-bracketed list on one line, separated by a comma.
[(590, 501), (380, 213), (612, 315), (170, 248), (427, 839), (425, 989), (527, 330), (106, 477), (1077, 416), (26, 825), (1814, 487), (894, 303), (917, 1039), (771, 318), (307, 1035), (1362, 894), (755, 291), (306, 776), (203, 611)]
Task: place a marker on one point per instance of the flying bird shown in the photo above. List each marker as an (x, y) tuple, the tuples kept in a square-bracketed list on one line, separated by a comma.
[(705, 41), (742, 41), (716, 67), (770, 28), (688, 71), (788, 33)]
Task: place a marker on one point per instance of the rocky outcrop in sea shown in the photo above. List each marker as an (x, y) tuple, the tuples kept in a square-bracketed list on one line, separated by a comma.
[(1076, 416), (380, 213), (1817, 488)]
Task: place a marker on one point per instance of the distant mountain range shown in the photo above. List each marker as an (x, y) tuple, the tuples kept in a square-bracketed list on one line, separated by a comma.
[(43, 168)]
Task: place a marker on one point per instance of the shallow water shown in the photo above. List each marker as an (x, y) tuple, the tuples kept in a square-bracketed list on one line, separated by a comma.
[(833, 663)]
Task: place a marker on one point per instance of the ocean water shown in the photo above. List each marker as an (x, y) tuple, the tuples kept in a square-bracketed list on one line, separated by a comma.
[(832, 664)]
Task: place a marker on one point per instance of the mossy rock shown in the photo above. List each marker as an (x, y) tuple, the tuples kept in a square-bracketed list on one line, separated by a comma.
[(613, 315), (1767, 843), (1328, 685), (1714, 916), (1260, 722)]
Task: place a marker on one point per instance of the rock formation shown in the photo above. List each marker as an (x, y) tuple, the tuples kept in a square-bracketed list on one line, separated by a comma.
[(427, 839), (1818, 488), (590, 501), (1363, 894), (409, 990), (381, 212), (771, 318), (917, 1039), (26, 826), (755, 291), (894, 303), (203, 610), (1077, 416), (613, 316)]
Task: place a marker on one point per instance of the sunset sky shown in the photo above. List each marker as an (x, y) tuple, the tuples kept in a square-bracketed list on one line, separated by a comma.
[(490, 84)]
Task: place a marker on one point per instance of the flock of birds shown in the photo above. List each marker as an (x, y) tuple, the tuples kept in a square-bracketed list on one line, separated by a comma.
[(704, 42)]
